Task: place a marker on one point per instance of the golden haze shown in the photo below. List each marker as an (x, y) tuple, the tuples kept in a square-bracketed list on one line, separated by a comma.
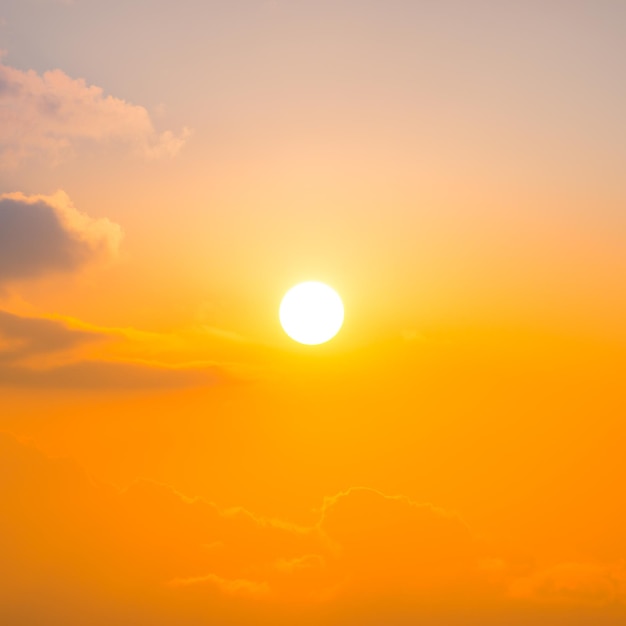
[(168, 456)]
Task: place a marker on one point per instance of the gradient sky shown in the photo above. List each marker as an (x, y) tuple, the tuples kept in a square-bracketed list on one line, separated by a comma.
[(455, 170)]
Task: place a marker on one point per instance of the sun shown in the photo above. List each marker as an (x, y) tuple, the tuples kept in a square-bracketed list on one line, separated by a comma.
[(311, 313)]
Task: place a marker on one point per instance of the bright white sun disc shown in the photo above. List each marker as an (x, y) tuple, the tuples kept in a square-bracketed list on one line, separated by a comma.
[(311, 313)]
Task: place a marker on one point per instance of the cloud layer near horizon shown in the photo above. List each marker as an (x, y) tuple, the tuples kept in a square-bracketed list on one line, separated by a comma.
[(91, 554), (47, 116), (40, 353)]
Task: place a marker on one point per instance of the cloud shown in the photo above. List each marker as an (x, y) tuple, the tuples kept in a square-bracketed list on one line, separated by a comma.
[(586, 584), (40, 235), (365, 542), (43, 234), (235, 587), (119, 375), (39, 353), (23, 337), (90, 553), (391, 542), (136, 554), (48, 116)]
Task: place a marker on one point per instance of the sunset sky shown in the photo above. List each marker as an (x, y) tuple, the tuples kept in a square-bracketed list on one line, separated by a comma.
[(455, 170)]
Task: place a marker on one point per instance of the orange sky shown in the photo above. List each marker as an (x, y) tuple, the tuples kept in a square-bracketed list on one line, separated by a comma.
[(168, 456)]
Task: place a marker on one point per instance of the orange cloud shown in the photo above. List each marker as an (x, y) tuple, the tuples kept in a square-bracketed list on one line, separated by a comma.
[(108, 375), (24, 337), (91, 554), (48, 116), (586, 584), (391, 544), (235, 587), (43, 234), (40, 353)]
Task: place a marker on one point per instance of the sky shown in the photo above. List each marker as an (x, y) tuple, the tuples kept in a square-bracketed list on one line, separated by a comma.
[(454, 170)]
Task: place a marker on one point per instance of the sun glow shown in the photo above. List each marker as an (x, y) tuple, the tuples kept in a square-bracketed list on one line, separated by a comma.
[(311, 313)]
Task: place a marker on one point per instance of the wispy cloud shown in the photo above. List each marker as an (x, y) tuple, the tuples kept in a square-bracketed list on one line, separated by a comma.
[(108, 375), (40, 353), (24, 337)]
